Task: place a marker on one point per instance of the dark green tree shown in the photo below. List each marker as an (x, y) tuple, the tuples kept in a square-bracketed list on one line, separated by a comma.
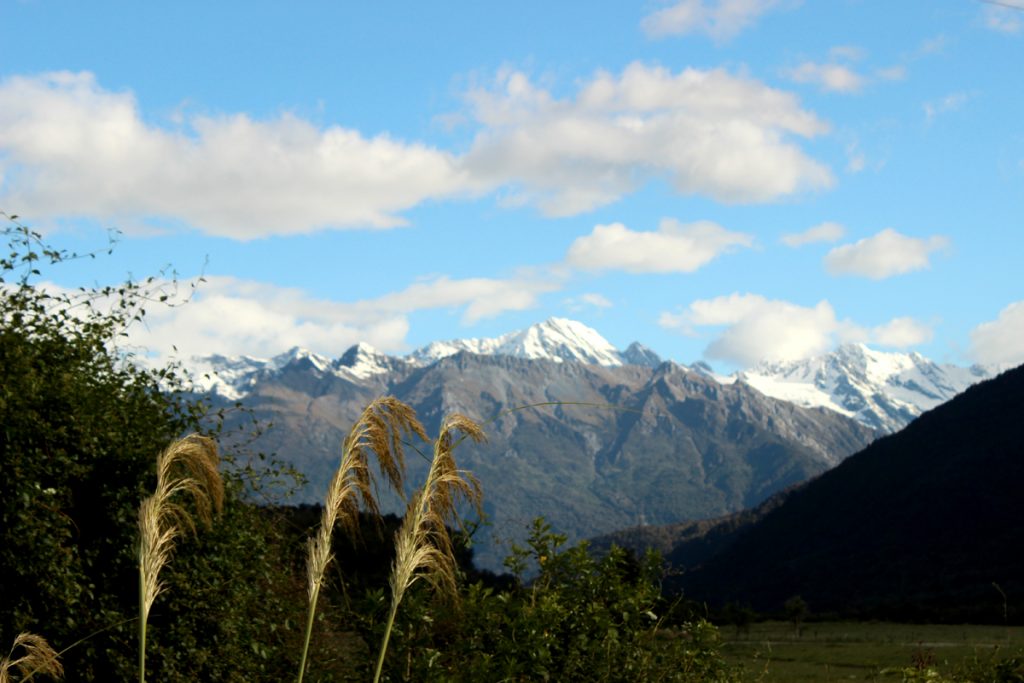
[(81, 423)]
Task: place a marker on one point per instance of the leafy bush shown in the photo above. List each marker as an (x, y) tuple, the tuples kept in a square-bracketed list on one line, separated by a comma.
[(82, 426), (579, 619)]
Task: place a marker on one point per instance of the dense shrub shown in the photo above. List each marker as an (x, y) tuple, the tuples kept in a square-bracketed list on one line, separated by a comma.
[(82, 424), (579, 619)]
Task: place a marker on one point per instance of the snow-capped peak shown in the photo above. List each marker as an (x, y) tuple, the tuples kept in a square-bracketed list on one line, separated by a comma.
[(299, 355), (555, 339), (885, 390), (364, 361)]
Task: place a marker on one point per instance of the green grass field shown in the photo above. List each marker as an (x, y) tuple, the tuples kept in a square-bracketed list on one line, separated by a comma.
[(844, 651)]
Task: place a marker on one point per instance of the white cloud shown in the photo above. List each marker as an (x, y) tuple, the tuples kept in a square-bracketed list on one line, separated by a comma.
[(707, 132), (823, 232), (720, 19), (829, 77), (883, 255), (837, 74), (759, 329), (588, 299), (232, 316), (672, 248), (1004, 17), (901, 333), (70, 148), (951, 102), (596, 300), (1000, 341)]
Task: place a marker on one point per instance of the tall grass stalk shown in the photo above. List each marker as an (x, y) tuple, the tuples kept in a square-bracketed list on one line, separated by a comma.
[(380, 429), (423, 547), (188, 467), (37, 657)]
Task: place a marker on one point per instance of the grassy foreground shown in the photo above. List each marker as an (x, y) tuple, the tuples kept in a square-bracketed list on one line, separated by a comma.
[(864, 651)]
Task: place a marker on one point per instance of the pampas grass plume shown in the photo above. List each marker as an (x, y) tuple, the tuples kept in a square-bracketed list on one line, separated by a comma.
[(380, 429), (423, 546), (37, 658), (188, 467)]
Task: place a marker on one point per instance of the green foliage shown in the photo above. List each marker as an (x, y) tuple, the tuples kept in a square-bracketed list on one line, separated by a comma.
[(82, 423), (580, 619)]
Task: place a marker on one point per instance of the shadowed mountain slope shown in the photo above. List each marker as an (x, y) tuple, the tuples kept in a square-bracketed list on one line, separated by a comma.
[(923, 523)]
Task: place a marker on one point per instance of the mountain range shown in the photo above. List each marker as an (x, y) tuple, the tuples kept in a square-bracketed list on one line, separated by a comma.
[(589, 437), (883, 390)]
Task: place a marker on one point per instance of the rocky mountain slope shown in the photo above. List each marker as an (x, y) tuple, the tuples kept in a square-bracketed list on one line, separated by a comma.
[(617, 444), (884, 391)]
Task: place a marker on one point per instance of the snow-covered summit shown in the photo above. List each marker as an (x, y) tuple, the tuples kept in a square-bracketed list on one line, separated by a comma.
[(231, 377), (885, 390), (364, 361), (555, 339)]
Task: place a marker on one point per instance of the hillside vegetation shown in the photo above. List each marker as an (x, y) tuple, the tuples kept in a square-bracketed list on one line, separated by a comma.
[(924, 524)]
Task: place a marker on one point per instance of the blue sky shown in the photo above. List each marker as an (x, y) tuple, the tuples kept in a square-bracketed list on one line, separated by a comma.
[(722, 180)]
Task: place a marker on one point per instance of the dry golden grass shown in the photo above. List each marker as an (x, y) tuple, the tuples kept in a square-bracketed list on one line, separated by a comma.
[(37, 658), (423, 546), (380, 429), (187, 467)]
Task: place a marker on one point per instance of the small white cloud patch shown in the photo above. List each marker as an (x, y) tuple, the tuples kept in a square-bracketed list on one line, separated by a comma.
[(823, 232), (720, 19), (901, 333), (1000, 341), (829, 77), (672, 248), (883, 255)]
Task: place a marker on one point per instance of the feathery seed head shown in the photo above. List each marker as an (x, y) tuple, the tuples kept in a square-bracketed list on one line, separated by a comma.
[(37, 658), (380, 429), (423, 544), (187, 466)]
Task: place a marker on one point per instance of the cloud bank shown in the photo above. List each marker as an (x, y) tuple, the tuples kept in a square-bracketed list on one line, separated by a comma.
[(234, 317), (705, 132), (757, 329), (69, 148)]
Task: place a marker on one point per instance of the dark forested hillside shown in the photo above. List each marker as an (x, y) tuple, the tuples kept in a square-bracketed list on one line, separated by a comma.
[(925, 523)]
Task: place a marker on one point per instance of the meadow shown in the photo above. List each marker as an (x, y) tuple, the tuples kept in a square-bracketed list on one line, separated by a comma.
[(772, 651)]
